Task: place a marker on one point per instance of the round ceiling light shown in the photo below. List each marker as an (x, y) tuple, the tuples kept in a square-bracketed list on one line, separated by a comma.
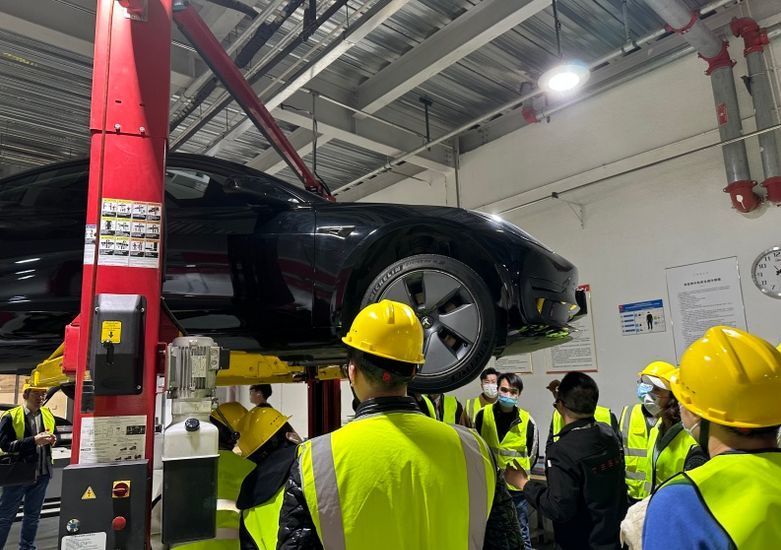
[(564, 78)]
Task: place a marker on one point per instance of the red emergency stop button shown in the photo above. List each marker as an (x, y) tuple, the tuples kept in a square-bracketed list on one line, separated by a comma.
[(118, 523), (120, 489)]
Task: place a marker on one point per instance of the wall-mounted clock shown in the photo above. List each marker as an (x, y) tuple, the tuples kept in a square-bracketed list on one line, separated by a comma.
[(766, 272)]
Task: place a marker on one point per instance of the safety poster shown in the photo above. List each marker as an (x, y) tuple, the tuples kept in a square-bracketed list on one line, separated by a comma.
[(129, 233), (106, 439)]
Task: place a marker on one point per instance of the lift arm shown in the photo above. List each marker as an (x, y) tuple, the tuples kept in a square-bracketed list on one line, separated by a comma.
[(209, 48)]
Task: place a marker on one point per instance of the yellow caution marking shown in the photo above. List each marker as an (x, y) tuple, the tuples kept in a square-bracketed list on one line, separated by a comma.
[(111, 331), (89, 494)]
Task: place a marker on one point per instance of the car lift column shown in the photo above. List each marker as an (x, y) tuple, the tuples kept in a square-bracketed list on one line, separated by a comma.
[(106, 496)]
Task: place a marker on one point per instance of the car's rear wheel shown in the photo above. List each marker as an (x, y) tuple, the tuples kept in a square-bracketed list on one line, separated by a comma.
[(456, 310)]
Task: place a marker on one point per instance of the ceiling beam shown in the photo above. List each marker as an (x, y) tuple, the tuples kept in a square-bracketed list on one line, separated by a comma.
[(338, 123), (382, 181), (372, 19), (269, 160), (472, 30)]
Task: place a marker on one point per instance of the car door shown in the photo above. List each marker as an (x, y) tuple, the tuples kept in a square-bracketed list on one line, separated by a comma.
[(42, 216), (238, 264)]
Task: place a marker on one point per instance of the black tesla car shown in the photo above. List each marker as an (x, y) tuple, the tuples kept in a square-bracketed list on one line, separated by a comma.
[(259, 264)]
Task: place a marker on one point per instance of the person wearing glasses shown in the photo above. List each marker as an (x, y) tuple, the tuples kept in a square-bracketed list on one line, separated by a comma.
[(585, 492), (511, 434)]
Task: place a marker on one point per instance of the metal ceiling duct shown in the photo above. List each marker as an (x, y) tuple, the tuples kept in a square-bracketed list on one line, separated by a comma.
[(715, 52), (765, 109)]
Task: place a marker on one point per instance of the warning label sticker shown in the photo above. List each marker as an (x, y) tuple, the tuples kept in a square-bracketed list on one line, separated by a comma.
[(129, 233), (111, 331), (90, 238), (107, 439), (89, 494), (87, 541)]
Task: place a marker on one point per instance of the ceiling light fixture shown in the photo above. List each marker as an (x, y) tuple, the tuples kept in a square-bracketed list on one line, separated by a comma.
[(564, 78)]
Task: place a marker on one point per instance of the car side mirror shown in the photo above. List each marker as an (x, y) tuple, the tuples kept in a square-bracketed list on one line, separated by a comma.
[(261, 190)]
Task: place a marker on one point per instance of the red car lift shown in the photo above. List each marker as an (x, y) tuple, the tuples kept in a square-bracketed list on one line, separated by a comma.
[(122, 329)]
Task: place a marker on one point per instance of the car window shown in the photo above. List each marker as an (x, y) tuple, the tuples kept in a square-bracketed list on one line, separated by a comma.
[(191, 187), (59, 189)]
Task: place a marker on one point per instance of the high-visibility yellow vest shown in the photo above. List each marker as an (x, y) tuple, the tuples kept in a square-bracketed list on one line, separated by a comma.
[(512, 448), (262, 521), (432, 410), (473, 406), (601, 414), (635, 433), (231, 471), (17, 421), (449, 409), (663, 464), (398, 480), (742, 491)]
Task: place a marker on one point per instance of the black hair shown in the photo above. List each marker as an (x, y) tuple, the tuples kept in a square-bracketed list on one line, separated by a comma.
[(380, 371), (579, 393), (488, 372), (264, 389), (513, 379), (756, 433)]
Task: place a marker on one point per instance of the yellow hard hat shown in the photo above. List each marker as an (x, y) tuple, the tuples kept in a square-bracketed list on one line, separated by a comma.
[(28, 385), (229, 415), (732, 378), (257, 427), (388, 329), (658, 373)]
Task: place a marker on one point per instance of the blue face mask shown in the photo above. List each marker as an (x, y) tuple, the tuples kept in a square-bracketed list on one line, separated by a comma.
[(643, 390), (507, 401)]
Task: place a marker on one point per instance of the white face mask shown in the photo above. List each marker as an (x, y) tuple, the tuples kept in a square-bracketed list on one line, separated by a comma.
[(650, 404), (690, 431), (490, 390)]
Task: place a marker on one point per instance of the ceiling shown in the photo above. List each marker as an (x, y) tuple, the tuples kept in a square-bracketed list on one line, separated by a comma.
[(362, 75)]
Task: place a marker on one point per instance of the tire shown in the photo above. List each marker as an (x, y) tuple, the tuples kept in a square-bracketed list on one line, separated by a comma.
[(458, 316)]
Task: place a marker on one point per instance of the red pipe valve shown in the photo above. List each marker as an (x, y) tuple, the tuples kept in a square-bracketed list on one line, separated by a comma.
[(754, 38), (773, 186), (743, 197), (721, 59)]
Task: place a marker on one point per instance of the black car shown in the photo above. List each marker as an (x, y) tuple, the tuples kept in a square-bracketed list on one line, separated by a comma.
[(259, 264)]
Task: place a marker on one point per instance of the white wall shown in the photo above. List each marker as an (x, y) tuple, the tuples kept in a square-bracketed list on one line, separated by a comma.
[(635, 225)]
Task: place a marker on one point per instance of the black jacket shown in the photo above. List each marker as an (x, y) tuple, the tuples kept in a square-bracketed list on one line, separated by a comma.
[(25, 449), (585, 495), (297, 531)]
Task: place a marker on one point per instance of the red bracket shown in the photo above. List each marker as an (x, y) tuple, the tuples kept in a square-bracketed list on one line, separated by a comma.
[(754, 38), (721, 59), (687, 27), (529, 115), (743, 197)]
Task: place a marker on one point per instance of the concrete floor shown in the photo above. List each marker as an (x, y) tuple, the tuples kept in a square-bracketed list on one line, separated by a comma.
[(47, 534)]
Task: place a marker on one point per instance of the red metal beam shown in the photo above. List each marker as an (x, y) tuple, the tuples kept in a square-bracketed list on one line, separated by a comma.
[(199, 35)]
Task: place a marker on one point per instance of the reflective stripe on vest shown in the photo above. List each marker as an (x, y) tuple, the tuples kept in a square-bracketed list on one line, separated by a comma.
[(449, 409), (357, 500), (512, 448), (743, 493), (601, 414), (663, 464), (262, 521), (634, 432)]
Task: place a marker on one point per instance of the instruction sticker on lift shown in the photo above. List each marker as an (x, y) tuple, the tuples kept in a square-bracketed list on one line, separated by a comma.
[(110, 439), (87, 541), (129, 233), (90, 238)]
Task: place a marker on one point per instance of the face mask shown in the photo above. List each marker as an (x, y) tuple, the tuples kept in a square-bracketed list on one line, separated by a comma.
[(650, 404), (490, 390), (690, 431), (643, 390), (507, 402)]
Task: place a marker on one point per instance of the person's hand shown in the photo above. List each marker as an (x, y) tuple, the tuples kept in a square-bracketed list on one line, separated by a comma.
[(553, 387), (44, 438), (516, 476)]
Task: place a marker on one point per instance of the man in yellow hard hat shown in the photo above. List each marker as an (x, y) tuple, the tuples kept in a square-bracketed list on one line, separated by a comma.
[(394, 478), (27, 433), (269, 441), (728, 386), (670, 448), (231, 471)]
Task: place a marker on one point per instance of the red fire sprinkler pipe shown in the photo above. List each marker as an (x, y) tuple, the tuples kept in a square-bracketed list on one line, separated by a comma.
[(755, 39), (199, 35)]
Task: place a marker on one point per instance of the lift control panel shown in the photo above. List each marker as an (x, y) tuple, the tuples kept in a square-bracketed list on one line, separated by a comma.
[(106, 506), (117, 344)]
